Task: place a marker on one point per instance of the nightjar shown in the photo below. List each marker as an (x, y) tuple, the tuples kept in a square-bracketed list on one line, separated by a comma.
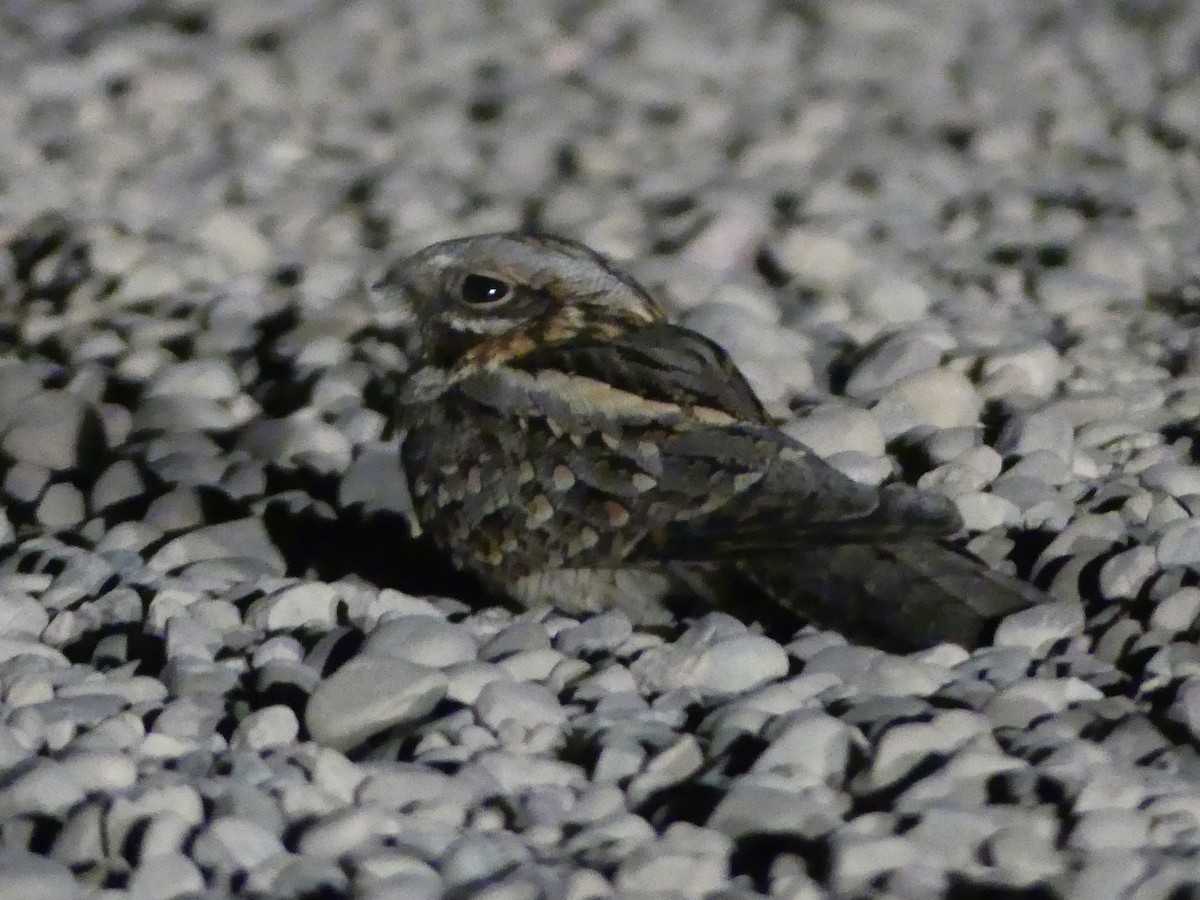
[(566, 444)]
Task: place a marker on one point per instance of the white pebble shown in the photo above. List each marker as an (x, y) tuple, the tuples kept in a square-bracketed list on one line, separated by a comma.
[(369, 694)]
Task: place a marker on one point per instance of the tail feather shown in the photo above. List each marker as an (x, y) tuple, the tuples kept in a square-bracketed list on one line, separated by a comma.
[(899, 596)]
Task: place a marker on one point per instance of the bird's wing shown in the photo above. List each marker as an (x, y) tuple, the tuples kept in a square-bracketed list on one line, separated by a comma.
[(664, 440)]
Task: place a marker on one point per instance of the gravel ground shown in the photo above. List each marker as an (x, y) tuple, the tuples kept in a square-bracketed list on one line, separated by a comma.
[(953, 243)]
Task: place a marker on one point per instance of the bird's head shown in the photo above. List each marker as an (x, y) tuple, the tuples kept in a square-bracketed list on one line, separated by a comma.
[(479, 301)]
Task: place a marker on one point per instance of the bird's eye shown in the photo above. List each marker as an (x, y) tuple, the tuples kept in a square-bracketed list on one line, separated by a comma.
[(483, 290)]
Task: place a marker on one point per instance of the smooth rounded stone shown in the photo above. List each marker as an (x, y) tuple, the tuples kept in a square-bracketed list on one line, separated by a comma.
[(474, 859), (1178, 611), (612, 679), (515, 773), (181, 414), (874, 672), (532, 665), (1040, 625), (1101, 830), (648, 869), (1024, 854), (601, 633), (375, 481), (388, 875), (521, 635), (1176, 479), (402, 786), (299, 441), (945, 445), (817, 257), (985, 512), (810, 743), (18, 382), (1179, 544), (892, 300), (1017, 705), (731, 666), (618, 761), (310, 604), (672, 765), (896, 358), (523, 703), (421, 639), (861, 467), (61, 506), (21, 616), (1035, 370), (941, 398), (1116, 873), (242, 539), (54, 429), (24, 874), (906, 745), (1028, 432), (109, 772), (833, 428), (273, 726), (119, 482), (759, 809), (607, 840), (368, 695), (390, 603), (1022, 491), (44, 786), (25, 482), (164, 876), (80, 842), (347, 830), (467, 679), (969, 472), (1122, 576), (232, 844), (212, 379)]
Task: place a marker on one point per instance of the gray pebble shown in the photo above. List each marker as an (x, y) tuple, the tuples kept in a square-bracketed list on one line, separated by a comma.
[(521, 635), (25, 482), (1178, 611), (164, 876), (896, 358), (368, 695), (375, 481), (24, 874), (750, 809), (832, 428), (1179, 544), (941, 398), (54, 429), (1122, 576), (596, 634), (423, 640), (229, 844), (1040, 625), (1176, 479), (474, 859), (725, 668), (1029, 432), (45, 786), (273, 726), (522, 703), (243, 539)]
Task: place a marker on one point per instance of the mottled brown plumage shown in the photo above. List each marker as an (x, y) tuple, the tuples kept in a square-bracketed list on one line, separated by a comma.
[(567, 444)]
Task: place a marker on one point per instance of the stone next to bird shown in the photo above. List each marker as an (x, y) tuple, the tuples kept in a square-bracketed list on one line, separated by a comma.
[(567, 444)]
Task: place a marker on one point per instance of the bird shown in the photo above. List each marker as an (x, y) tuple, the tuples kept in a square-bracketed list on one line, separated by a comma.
[(565, 443)]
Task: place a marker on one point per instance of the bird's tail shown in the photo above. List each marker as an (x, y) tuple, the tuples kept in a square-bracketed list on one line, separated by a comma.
[(899, 596)]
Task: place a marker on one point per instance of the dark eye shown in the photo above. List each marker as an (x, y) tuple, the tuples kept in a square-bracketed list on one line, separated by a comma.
[(484, 290)]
